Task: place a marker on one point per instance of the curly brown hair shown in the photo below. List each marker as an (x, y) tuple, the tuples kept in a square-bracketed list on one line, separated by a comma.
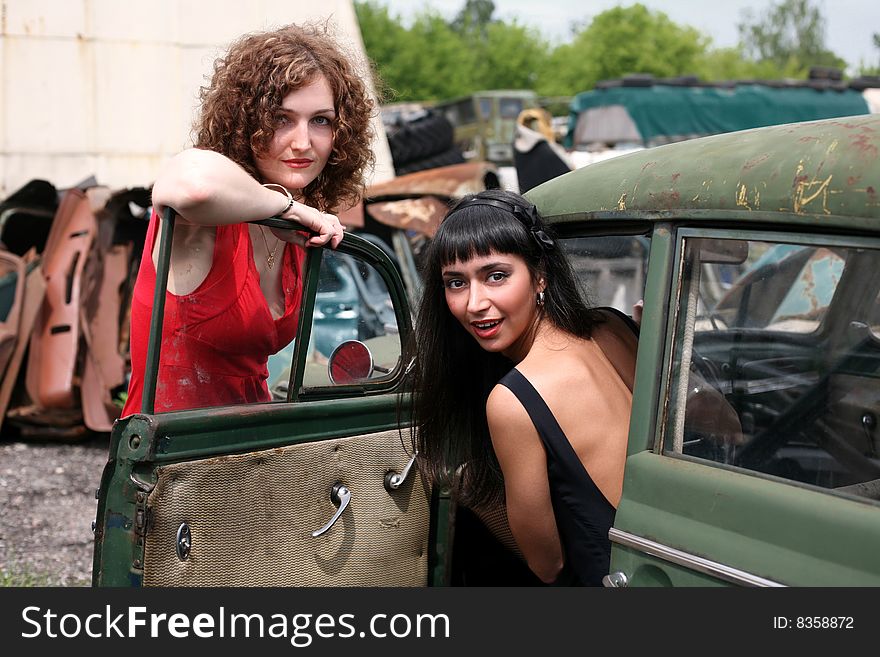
[(249, 83)]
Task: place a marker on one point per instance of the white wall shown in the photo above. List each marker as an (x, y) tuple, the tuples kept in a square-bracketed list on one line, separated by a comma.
[(109, 87)]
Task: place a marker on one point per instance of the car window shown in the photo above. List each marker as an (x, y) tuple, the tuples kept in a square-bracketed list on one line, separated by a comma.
[(780, 372), (352, 304), (610, 268), (785, 287), (509, 108), (485, 110)]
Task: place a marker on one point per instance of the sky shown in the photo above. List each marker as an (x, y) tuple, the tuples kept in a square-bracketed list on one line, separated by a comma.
[(849, 24)]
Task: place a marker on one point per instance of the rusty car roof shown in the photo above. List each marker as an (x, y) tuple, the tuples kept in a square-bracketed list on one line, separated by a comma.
[(818, 171)]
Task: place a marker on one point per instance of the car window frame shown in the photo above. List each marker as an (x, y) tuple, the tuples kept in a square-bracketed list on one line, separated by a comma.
[(352, 245), (568, 234), (676, 313), (371, 255)]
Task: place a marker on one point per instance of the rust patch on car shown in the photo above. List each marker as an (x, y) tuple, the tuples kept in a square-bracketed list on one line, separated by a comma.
[(755, 161), (667, 198), (864, 144)]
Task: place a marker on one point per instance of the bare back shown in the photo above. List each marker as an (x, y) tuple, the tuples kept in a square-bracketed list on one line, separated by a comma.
[(587, 384)]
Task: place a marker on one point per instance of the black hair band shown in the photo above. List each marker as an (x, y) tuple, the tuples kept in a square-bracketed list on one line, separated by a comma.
[(527, 216)]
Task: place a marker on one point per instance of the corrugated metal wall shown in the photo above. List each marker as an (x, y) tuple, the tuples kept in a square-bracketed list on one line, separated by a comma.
[(108, 87)]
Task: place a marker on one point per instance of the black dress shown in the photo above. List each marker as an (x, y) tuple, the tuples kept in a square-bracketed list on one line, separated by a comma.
[(583, 514)]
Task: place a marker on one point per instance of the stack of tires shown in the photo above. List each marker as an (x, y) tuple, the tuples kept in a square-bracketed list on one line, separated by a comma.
[(421, 140)]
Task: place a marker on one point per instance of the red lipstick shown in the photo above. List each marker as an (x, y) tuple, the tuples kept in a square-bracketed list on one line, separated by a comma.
[(486, 329), (298, 163)]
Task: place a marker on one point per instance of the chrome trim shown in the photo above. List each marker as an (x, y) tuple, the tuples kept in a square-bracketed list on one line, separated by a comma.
[(341, 495), (184, 541), (145, 486), (394, 480), (687, 560), (616, 580)]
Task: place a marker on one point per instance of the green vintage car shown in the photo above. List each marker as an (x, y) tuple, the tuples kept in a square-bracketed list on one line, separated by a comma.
[(754, 446)]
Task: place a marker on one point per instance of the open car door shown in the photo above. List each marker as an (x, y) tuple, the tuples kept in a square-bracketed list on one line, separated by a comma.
[(315, 488)]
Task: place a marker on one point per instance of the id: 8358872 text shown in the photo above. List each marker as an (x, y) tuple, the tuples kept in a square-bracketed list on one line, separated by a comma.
[(813, 623)]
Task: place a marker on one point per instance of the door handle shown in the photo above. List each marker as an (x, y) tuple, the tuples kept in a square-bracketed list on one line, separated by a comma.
[(394, 480), (615, 580), (340, 495)]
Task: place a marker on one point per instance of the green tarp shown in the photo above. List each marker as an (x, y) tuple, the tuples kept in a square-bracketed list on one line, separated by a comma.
[(663, 113)]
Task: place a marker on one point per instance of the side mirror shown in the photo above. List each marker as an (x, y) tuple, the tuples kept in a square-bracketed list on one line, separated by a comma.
[(350, 362)]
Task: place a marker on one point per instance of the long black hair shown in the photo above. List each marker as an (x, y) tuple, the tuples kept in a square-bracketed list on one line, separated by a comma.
[(452, 375)]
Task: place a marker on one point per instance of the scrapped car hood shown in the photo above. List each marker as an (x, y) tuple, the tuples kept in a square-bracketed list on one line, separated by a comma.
[(418, 201)]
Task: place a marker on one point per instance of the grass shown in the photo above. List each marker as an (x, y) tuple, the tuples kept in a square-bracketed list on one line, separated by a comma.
[(29, 579), (8, 579)]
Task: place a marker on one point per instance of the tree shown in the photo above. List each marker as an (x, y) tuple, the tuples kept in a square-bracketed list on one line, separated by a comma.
[(620, 41), (733, 64), (434, 59), (513, 56), (475, 14), (424, 62), (436, 64), (867, 69), (790, 34), (382, 35)]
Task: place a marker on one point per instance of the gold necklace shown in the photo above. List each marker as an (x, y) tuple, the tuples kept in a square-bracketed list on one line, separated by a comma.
[(270, 255)]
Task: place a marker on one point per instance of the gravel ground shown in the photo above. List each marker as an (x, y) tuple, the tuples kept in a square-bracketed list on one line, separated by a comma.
[(47, 504)]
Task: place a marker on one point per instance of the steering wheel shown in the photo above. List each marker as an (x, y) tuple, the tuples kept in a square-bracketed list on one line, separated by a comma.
[(804, 417)]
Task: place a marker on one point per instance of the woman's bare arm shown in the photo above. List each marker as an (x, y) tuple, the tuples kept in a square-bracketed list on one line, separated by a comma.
[(524, 464), (208, 189)]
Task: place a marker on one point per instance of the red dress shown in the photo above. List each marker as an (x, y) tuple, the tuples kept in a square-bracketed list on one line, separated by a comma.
[(216, 341)]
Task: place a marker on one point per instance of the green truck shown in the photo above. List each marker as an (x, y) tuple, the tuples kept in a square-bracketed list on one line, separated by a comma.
[(485, 122), (760, 253)]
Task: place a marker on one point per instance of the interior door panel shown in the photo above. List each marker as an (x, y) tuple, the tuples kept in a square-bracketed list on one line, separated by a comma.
[(251, 516)]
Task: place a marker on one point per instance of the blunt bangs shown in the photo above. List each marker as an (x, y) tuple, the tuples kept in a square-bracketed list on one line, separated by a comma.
[(478, 231)]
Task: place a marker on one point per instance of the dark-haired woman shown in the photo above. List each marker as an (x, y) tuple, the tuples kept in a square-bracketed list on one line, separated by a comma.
[(520, 388), (283, 131)]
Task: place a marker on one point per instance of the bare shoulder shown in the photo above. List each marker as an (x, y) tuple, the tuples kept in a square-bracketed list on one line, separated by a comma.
[(615, 328), (619, 344), (504, 410), (514, 437)]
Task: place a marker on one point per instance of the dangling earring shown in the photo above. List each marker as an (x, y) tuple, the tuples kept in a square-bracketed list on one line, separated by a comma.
[(541, 298)]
